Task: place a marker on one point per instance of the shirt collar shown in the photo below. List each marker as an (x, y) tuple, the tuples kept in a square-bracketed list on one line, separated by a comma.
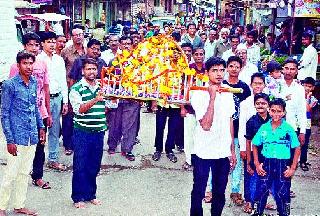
[(270, 125), (86, 84), (74, 51), (20, 80)]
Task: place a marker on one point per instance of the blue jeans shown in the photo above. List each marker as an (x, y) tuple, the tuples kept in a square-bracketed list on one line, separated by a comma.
[(88, 150), (220, 171), (304, 148), (281, 186), (250, 182), (237, 172), (54, 131), (67, 129)]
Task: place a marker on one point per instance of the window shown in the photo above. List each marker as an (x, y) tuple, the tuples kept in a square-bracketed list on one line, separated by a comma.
[(156, 3)]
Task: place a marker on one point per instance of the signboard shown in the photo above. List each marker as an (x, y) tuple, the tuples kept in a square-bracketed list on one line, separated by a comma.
[(307, 8), (42, 1)]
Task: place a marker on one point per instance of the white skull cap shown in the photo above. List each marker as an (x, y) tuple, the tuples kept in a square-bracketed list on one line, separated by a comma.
[(241, 47)]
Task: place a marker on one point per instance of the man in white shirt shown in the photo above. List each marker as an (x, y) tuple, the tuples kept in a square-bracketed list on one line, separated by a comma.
[(223, 43), (58, 94), (248, 68), (109, 54), (234, 40), (213, 140), (309, 59), (210, 44), (253, 49)]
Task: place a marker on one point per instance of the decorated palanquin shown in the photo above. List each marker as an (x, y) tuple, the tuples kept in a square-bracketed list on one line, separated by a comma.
[(157, 69)]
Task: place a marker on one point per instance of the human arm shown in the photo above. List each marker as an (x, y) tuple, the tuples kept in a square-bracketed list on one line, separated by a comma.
[(259, 166), (183, 111), (242, 129), (233, 158), (77, 104), (301, 114), (64, 87), (13, 70), (207, 119), (248, 154), (294, 143)]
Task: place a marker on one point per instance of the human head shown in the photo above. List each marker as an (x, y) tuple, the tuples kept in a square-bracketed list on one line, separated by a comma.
[(93, 48), (239, 30), (191, 28), (308, 84), (31, 43), (125, 43), (48, 42), (290, 69), (306, 39), (251, 37), (213, 35), (241, 51), (198, 55), (166, 29), (25, 62), (277, 109), (77, 35), (234, 40), (135, 36), (187, 49), (270, 38), (274, 69), (60, 42), (261, 103), (234, 65), (114, 42), (89, 69), (215, 68), (224, 33), (150, 26), (203, 37), (257, 83)]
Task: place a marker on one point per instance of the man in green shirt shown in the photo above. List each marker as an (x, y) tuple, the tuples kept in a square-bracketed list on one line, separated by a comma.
[(277, 138)]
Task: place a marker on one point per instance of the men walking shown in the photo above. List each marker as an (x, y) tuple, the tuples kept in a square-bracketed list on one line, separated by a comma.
[(89, 128), (23, 128)]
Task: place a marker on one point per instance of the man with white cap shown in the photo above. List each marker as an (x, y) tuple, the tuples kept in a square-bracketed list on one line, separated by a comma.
[(248, 68), (223, 43)]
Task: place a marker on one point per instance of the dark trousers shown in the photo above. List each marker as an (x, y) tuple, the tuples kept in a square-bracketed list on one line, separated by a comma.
[(250, 182), (161, 119), (88, 150), (220, 170), (39, 159), (67, 130), (179, 139), (138, 121), (304, 148), (281, 186)]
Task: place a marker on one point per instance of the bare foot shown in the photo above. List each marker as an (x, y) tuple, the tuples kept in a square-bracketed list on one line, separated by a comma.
[(96, 202), (3, 213), (80, 205), (25, 211)]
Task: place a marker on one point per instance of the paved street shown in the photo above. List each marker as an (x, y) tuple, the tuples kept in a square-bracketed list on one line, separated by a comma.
[(145, 187)]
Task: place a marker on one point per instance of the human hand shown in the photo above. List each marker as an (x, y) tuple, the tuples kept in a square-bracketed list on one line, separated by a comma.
[(289, 172), (243, 155), (260, 170), (99, 97), (233, 161), (301, 138), (42, 136), (49, 121), (183, 112), (249, 169), (212, 92), (64, 109), (12, 149)]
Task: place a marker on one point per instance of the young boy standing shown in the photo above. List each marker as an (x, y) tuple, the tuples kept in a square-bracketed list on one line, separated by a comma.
[(308, 85), (213, 140), (276, 138)]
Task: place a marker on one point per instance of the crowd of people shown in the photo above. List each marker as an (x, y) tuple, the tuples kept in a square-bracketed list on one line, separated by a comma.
[(260, 131)]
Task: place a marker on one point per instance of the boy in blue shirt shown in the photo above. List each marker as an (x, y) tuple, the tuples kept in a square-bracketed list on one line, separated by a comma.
[(277, 138)]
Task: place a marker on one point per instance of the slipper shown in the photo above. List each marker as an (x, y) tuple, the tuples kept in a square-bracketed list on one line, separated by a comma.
[(42, 184), (292, 194), (25, 211), (270, 206), (304, 167), (247, 208), (95, 202), (79, 205), (68, 152), (57, 166), (208, 197)]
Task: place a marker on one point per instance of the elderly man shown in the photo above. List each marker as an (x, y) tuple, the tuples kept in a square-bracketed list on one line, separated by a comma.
[(210, 44), (223, 43)]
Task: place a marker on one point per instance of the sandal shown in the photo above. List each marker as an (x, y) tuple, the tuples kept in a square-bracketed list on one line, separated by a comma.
[(247, 208), (270, 206), (187, 167), (156, 156), (68, 152), (172, 157), (57, 166), (79, 205), (237, 199), (304, 167), (25, 211), (42, 184), (95, 202), (292, 194), (208, 197)]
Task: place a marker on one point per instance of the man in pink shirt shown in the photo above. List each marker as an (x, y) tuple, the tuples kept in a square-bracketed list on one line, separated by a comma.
[(31, 43)]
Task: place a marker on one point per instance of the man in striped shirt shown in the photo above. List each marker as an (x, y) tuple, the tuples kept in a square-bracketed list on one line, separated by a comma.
[(88, 135)]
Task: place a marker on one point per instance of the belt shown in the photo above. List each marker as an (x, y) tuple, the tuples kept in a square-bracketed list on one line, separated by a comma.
[(55, 95)]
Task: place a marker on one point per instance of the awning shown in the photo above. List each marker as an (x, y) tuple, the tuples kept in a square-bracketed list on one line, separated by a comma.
[(25, 4), (50, 17)]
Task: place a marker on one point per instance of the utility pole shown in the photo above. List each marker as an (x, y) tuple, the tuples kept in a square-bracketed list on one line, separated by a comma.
[(217, 8)]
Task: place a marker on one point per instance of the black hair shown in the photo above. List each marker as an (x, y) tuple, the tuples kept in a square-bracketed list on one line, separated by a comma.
[(252, 33), (150, 24), (214, 29), (89, 61), (263, 96), (197, 48), (191, 24), (135, 32), (234, 36), (176, 36), (271, 35), (60, 36), (278, 102), (309, 80), (187, 45), (236, 59), (202, 33), (213, 61), (125, 38), (249, 27), (47, 35), (307, 35), (93, 42), (77, 26), (29, 37), (291, 60), (258, 75), (24, 55)]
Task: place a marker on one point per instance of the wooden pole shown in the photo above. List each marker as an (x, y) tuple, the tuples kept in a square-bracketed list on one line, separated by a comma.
[(292, 27)]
